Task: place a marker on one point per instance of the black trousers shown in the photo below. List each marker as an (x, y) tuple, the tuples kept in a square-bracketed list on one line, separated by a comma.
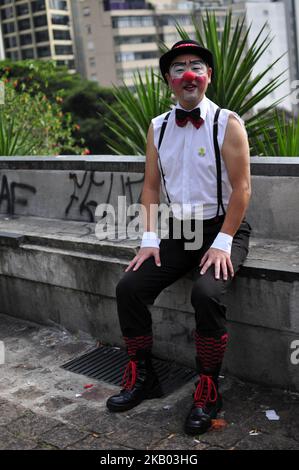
[(137, 289)]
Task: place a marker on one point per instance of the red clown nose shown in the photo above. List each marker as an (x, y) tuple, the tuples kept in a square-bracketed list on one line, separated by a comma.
[(189, 76)]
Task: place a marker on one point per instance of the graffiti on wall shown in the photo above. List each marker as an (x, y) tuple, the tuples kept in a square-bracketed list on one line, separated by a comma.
[(89, 189), (80, 196), (12, 194)]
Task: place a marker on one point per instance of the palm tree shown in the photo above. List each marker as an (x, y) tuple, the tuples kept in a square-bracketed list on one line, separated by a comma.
[(233, 86)]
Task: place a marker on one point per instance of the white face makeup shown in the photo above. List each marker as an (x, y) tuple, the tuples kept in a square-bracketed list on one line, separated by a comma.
[(178, 69)]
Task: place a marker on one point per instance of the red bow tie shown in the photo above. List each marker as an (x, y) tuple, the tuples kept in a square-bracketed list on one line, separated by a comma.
[(182, 117)]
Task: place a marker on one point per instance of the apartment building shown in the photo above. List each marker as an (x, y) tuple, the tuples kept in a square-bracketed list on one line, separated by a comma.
[(114, 39), (273, 14), (38, 29)]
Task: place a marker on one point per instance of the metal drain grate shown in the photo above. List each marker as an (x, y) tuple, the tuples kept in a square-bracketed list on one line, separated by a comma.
[(108, 364)]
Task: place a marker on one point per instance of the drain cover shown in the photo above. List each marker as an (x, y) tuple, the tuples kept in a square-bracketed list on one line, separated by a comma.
[(108, 364)]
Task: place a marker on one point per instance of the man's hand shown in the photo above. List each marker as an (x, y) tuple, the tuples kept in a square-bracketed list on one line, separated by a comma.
[(221, 259), (142, 255)]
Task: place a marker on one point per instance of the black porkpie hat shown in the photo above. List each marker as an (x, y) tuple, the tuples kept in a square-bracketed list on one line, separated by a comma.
[(185, 47)]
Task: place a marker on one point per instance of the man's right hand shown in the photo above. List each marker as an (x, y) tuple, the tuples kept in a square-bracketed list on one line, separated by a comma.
[(142, 255)]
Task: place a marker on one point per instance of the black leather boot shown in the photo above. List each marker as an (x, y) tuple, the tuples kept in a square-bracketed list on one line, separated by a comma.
[(207, 401), (140, 382)]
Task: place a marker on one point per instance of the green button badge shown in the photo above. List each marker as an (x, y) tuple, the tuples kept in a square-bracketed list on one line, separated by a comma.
[(201, 151)]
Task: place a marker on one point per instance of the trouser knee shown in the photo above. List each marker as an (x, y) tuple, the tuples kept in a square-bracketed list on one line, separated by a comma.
[(210, 311)]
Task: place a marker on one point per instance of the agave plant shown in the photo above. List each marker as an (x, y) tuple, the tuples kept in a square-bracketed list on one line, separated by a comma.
[(233, 87), (14, 140), (134, 111), (281, 139)]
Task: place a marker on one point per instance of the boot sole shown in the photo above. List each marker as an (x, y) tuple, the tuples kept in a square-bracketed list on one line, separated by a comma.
[(193, 430), (126, 407)]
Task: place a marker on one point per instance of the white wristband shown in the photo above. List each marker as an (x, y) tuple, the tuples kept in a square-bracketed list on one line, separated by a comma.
[(223, 241), (150, 239)]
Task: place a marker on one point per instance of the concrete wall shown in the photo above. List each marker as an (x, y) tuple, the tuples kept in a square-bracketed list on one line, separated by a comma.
[(77, 290), (74, 194)]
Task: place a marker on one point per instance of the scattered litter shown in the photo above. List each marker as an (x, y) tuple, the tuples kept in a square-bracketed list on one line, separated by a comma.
[(166, 407), (221, 376), (78, 395), (271, 415), (254, 432), (170, 436), (88, 385), (218, 424)]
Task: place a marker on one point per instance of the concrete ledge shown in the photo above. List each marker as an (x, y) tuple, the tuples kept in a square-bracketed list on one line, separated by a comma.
[(61, 273), (115, 163), (11, 239), (269, 166)]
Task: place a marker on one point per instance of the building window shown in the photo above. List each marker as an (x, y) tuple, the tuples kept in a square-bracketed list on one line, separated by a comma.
[(86, 11), (132, 21), (171, 20), (69, 63), (10, 42), (27, 53), (7, 13), (60, 19), (130, 56), (24, 24), (90, 45), (22, 9), (119, 40), (5, 2), (13, 55), (92, 61), (58, 4), (88, 28), (41, 36), (61, 34), (126, 5), (63, 50), (8, 27), (40, 20), (38, 5), (25, 39), (44, 51)]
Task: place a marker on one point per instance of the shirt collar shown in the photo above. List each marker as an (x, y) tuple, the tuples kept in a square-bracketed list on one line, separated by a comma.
[(203, 105)]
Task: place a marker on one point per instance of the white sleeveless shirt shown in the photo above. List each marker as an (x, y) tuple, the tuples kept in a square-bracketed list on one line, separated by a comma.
[(188, 160)]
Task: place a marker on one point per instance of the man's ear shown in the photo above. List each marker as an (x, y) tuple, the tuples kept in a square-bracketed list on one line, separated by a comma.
[(210, 74)]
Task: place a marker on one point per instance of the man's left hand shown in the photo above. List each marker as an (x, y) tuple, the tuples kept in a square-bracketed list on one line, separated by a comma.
[(220, 259)]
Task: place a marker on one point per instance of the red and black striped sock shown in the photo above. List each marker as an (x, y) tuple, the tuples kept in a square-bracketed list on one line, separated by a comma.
[(210, 350), (138, 342)]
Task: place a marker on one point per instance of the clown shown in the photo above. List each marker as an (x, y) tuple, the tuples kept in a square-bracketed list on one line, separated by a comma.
[(198, 153)]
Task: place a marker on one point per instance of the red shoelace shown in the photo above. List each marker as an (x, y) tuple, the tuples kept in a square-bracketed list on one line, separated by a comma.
[(130, 375), (205, 392)]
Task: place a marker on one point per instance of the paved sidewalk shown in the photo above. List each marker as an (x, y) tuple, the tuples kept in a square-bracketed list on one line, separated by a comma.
[(45, 407)]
